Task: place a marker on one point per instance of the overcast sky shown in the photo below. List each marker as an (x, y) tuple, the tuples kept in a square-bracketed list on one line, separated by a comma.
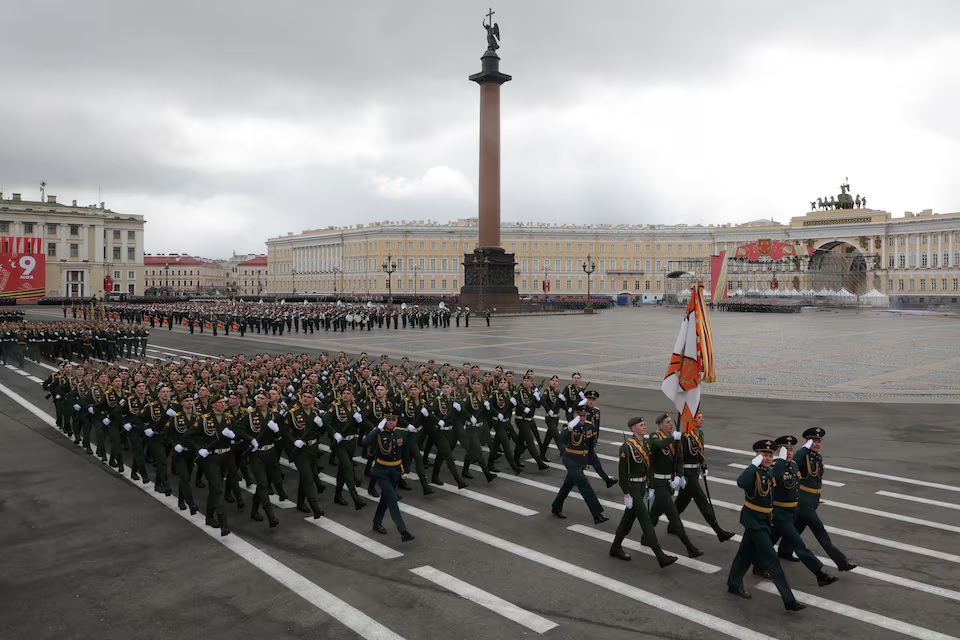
[(227, 122)]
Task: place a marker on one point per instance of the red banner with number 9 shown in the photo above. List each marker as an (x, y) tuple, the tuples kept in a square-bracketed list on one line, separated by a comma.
[(22, 268)]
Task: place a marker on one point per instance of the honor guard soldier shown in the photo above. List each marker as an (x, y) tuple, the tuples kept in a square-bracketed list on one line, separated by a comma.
[(525, 400), (810, 465), (303, 429), (343, 420), (181, 435), (592, 416), (786, 487), (757, 544), (391, 447), (694, 468), (577, 440), (634, 476), (134, 423), (476, 423), (263, 428), (443, 411), (552, 407), (214, 448), (667, 457)]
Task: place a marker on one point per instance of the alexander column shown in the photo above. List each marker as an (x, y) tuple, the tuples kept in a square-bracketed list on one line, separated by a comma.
[(489, 279)]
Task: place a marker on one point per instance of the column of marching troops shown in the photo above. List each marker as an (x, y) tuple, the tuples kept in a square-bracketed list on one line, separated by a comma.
[(219, 423), (275, 318), (69, 340)]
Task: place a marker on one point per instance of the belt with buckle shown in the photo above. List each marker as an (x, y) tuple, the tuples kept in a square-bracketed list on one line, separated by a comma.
[(695, 465), (579, 452), (639, 479), (266, 447), (662, 476), (750, 505), (445, 428), (389, 463), (227, 450), (350, 437), (314, 441), (809, 490), (784, 505)]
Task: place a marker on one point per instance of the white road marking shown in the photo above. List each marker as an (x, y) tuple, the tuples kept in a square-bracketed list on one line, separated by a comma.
[(274, 500), (884, 622), (22, 372), (829, 483), (696, 565), (333, 606), (355, 538), (892, 516), (935, 503), (486, 599), (11, 367), (480, 497), (192, 353), (34, 379)]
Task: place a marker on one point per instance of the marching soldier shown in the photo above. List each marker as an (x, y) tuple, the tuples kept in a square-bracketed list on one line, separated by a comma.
[(412, 413), (303, 430), (391, 446), (757, 543), (499, 409), (552, 406), (593, 416), (525, 400), (158, 415), (181, 434), (134, 425), (667, 457), (214, 448), (476, 421), (343, 421), (442, 413), (634, 475), (577, 440), (810, 464), (263, 429), (694, 468)]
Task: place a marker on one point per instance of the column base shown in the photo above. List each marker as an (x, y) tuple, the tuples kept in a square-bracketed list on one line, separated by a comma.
[(490, 285)]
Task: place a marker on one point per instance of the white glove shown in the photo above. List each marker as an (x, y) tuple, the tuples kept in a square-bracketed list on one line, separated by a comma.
[(106, 422), (683, 482), (298, 443), (411, 428), (178, 448), (254, 444), (456, 405), (320, 395), (171, 412), (705, 473), (552, 414), (423, 410), (403, 476), (756, 461), (441, 423), (317, 421), (90, 410), (500, 417), (582, 403), (228, 432), (358, 417), (149, 432), (122, 401), (651, 494), (628, 502), (473, 420), (526, 409), (273, 426), (536, 394), (807, 444), (486, 403), (782, 453), (290, 388), (382, 424), (582, 397), (127, 426), (57, 397), (203, 453), (513, 401), (337, 437), (677, 435), (675, 483), (76, 407), (562, 398), (574, 422), (196, 396)]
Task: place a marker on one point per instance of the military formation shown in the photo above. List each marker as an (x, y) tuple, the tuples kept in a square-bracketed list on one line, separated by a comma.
[(70, 341), (221, 423)]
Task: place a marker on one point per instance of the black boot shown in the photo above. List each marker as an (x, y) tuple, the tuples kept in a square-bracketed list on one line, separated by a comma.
[(224, 525), (467, 475), (358, 502), (616, 551), (692, 551), (664, 559), (722, 535), (339, 499), (317, 511), (372, 489), (211, 520), (255, 509), (823, 579), (271, 515), (180, 503)]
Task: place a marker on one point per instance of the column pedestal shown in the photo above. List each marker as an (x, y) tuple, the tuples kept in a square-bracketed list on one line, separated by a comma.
[(497, 275)]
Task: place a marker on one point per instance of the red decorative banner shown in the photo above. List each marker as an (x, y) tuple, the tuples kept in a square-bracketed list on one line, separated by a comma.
[(22, 268)]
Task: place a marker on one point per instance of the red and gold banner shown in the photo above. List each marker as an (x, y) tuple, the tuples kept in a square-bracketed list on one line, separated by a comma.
[(22, 268)]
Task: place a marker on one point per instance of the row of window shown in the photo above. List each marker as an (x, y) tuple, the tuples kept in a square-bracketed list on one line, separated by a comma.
[(945, 237), (922, 283), (933, 261), (51, 230)]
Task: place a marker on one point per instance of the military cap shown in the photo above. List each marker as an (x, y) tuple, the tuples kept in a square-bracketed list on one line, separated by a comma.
[(814, 433), (390, 412), (764, 446), (786, 441), (592, 394)]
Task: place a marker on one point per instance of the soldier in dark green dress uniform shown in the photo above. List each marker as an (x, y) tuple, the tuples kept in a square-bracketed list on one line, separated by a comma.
[(526, 400), (552, 407), (181, 434), (667, 458), (391, 448), (134, 424), (694, 468), (634, 475), (786, 487), (577, 440), (303, 429), (757, 544), (262, 429), (442, 412), (475, 424), (412, 414), (213, 446), (343, 420), (810, 470)]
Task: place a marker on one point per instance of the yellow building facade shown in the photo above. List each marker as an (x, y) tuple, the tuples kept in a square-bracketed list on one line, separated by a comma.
[(912, 256)]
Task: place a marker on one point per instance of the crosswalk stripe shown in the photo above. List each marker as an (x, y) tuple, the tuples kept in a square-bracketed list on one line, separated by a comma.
[(486, 599), (274, 500), (884, 622), (355, 538), (935, 503), (892, 516), (692, 563), (481, 497)]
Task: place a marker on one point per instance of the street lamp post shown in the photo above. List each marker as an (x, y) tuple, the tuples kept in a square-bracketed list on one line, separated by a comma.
[(589, 266), (389, 266), (293, 280), (546, 280), (414, 281), (337, 270)]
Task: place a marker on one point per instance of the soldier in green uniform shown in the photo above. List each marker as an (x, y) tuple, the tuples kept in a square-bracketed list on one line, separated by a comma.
[(552, 406), (412, 413), (391, 447), (786, 487), (810, 465), (667, 457), (694, 468), (262, 428), (634, 476), (343, 421), (213, 446), (592, 413), (83, 406), (526, 400), (181, 433), (577, 440), (303, 429), (499, 408), (159, 413), (134, 424), (475, 423), (757, 543), (442, 413)]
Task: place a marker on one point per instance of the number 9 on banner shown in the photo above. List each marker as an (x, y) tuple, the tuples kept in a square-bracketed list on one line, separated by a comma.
[(27, 263)]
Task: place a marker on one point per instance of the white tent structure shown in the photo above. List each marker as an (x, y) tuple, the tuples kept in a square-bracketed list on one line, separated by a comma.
[(875, 298)]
